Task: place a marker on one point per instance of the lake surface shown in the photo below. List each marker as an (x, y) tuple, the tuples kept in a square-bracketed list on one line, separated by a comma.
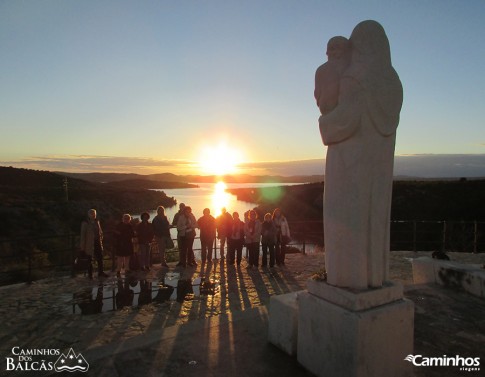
[(212, 196)]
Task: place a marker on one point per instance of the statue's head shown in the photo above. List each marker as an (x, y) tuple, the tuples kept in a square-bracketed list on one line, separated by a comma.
[(338, 48), (370, 44)]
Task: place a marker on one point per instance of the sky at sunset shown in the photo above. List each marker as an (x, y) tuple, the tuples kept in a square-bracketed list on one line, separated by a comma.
[(171, 86)]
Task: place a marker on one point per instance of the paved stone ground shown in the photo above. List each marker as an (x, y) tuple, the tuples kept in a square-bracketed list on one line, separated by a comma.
[(224, 333)]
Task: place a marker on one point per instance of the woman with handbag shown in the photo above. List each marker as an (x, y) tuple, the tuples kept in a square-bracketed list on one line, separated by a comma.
[(283, 236)]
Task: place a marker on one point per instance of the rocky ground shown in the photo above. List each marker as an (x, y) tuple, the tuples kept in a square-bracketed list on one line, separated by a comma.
[(46, 314)]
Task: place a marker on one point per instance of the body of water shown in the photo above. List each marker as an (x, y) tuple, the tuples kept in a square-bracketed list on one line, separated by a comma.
[(212, 196)]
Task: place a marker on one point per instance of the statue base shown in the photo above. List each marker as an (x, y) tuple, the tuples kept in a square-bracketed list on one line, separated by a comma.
[(355, 333)]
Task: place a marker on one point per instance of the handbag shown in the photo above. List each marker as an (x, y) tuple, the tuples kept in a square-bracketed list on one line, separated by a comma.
[(169, 243)]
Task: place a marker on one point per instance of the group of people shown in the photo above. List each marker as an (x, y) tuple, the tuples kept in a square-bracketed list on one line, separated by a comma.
[(273, 234)]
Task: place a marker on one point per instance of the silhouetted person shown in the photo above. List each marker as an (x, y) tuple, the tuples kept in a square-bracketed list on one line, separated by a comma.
[(161, 229), (144, 233), (268, 240), (223, 223), (124, 250), (186, 225), (252, 232), (235, 240), (282, 236), (207, 226), (91, 243)]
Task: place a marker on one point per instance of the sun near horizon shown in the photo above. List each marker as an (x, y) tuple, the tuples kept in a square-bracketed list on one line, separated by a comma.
[(220, 159)]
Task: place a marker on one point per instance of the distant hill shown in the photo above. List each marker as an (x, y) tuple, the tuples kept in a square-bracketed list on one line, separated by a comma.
[(455, 200), (38, 203), (114, 177), (149, 184), (168, 177)]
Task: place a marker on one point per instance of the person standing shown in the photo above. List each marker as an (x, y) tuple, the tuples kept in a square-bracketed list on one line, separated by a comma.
[(161, 230), (179, 236), (282, 236), (252, 231), (124, 250), (144, 233), (223, 223), (207, 226), (268, 240), (91, 242), (186, 225), (235, 240)]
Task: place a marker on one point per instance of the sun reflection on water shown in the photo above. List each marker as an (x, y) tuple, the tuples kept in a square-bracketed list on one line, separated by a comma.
[(220, 198)]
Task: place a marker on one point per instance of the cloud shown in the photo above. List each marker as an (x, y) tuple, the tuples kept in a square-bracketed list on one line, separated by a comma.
[(440, 165), (89, 163), (285, 168), (418, 165), (422, 165)]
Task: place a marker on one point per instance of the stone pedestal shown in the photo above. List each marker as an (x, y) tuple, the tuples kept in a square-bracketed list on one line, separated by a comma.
[(283, 322), (355, 334)]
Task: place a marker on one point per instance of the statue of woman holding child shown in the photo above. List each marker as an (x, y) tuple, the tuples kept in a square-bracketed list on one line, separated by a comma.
[(360, 115)]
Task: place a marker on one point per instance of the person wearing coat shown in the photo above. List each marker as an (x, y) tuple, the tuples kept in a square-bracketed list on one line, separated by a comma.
[(252, 231), (207, 226), (235, 240), (186, 225), (161, 230), (268, 240), (91, 243), (124, 250), (282, 236), (144, 233)]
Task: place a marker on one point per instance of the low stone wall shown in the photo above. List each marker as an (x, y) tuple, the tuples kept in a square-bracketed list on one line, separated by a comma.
[(469, 277)]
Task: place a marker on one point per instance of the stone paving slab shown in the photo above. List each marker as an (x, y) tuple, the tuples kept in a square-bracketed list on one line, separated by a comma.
[(41, 316), (233, 345)]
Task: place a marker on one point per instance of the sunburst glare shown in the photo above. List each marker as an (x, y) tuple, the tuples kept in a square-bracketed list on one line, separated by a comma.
[(219, 160)]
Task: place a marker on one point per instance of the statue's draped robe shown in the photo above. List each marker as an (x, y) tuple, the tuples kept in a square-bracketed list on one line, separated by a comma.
[(360, 134)]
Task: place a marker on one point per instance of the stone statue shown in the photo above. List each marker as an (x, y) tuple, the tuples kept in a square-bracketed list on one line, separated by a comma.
[(360, 133), (327, 76)]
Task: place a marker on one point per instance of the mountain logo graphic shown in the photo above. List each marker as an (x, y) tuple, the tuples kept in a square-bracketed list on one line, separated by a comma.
[(71, 363)]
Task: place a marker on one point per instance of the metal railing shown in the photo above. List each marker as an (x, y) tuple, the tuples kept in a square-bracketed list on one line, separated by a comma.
[(29, 259)]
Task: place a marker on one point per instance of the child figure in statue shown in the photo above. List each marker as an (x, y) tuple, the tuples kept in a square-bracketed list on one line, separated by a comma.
[(327, 76)]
